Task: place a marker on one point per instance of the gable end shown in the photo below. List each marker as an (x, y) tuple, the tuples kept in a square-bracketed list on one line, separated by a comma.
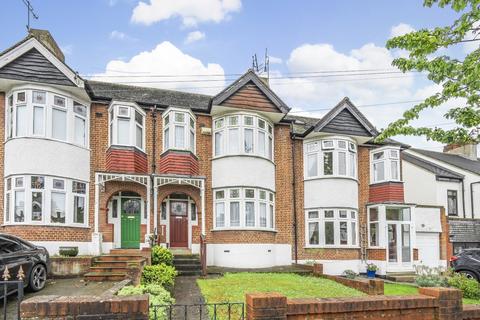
[(33, 66), (250, 96), (346, 123)]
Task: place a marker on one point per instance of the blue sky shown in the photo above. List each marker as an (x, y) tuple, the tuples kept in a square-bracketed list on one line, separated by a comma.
[(104, 37)]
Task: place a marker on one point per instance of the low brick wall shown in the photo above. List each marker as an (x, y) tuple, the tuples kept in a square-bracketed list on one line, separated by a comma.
[(85, 307), (369, 286), (69, 267), (431, 304)]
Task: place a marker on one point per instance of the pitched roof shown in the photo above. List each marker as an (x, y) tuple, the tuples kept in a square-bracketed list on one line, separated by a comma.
[(452, 159), (107, 91), (301, 124), (345, 118), (247, 77), (439, 171)]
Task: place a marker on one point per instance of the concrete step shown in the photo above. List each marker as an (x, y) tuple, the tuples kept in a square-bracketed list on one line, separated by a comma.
[(190, 273), (105, 276), (115, 269), (188, 267), (186, 261), (401, 278), (118, 257), (111, 263), (134, 252)]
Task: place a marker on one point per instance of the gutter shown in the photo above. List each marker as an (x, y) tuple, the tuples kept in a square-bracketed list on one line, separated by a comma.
[(471, 197), (294, 197)]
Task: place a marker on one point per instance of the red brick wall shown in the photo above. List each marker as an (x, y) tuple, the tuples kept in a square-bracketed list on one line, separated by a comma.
[(177, 162), (129, 160), (387, 192)]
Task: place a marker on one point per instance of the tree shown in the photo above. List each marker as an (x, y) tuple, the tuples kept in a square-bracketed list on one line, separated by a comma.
[(458, 78)]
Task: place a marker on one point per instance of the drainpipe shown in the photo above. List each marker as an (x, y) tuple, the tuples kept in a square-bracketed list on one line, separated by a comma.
[(471, 196), (463, 199), (154, 134), (295, 236), (154, 170)]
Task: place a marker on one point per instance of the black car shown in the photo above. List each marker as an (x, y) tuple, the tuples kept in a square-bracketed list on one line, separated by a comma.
[(34, 260), (467, 262)]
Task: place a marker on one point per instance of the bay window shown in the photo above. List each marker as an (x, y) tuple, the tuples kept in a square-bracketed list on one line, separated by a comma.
[(373, 226), (45, 114), (331, 227), (240, 134), (330, 157), (127, 125), (385, 164), (45, 200), (244, 208), (179, 130)]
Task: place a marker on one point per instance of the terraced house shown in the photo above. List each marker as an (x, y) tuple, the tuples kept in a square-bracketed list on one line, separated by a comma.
[(101, 166)]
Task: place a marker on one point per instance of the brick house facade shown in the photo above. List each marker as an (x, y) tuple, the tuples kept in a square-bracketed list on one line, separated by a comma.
[(119, 166)]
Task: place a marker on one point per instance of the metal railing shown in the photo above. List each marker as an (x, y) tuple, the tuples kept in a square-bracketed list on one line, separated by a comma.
[(211, 311), (7, 289)]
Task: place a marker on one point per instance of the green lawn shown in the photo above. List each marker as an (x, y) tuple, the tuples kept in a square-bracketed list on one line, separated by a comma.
[(394, 289)]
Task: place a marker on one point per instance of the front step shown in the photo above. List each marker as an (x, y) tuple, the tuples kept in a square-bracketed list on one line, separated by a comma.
[(114, 266), (187, 264), (105, 276), (116, 269), (119, 257), (408, 277)]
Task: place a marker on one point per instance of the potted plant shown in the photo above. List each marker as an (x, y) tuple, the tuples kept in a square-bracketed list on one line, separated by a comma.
[(371, 270)]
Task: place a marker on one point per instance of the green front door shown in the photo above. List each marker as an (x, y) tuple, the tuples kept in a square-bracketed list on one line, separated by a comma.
[(131, 212)]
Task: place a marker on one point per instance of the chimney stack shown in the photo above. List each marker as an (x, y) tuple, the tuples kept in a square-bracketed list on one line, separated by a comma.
[(467, 150), (47, 40)]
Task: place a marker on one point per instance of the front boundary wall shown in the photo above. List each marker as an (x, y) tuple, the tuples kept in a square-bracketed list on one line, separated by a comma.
[(431, 304)]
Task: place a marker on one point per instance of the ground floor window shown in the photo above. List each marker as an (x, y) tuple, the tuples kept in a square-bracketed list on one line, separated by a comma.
[(331, 227), (244, 208), (46, 200)]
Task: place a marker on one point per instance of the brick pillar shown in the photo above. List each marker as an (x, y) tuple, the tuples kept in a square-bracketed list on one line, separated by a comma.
[(449, 302), (318, 269), (263, 306)]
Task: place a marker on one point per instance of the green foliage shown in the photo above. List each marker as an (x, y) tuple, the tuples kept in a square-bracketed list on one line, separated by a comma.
[(159, 274), (372, 267), (459, 79), (162, 255), (350, 274), (430, 277), (157, 294), (68, 251), (469, 287)]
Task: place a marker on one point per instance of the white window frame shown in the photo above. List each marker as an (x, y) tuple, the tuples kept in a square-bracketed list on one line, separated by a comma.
[(113, 111), (47, 190), (268, 201), (321, 219), (318, 147), (48, 107), (388, 159), (188, 119), (241, 126)]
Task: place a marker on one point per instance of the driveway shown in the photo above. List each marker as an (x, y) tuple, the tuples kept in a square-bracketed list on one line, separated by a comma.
[(61, 287)]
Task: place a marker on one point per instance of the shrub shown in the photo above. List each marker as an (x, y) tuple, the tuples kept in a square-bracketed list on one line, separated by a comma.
[(161, 255), (430, 277), (350, 274), (68, 251), (159, 274), (157, 294), (469, 287)]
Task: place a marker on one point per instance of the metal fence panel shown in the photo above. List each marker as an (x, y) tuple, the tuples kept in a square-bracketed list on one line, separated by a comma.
[(207, 311)]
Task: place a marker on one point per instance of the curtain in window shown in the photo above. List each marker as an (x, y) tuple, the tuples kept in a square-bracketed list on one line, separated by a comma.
[(250, 214), (234, 214)]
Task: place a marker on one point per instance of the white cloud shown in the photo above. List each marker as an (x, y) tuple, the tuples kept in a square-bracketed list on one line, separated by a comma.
[(118, 35), (401, 29), (165, 59), (194, 36), (192, 12), (275, 60), (473, 45)]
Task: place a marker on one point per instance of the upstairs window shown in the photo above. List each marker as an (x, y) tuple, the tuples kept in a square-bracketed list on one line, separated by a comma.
[(127, 126), (178, 130), (330, 157), (452, 202), (240, 134), (385, 165), (40, 113)]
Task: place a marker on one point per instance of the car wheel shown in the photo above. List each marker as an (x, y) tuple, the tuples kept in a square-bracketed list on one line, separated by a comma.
[(469, 274), (38, 278)]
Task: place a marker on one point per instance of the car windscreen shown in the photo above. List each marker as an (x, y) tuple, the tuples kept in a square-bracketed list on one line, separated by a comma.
[(9, 246)]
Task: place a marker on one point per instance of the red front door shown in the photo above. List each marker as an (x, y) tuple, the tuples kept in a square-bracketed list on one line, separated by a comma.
[(178, 224)]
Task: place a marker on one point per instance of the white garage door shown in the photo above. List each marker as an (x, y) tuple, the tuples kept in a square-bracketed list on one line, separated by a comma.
[(428, 245)]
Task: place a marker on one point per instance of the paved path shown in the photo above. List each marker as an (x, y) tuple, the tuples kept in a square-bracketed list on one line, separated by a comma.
[(187, 292)]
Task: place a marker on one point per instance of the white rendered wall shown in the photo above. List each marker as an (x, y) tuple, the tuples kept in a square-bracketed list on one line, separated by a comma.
[(334, 192), (243, 171), (46, 157), (419, 185), (84, 248), (249, 255)]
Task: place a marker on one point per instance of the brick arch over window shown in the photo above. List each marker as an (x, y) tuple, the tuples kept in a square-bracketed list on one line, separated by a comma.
[(111, 189)]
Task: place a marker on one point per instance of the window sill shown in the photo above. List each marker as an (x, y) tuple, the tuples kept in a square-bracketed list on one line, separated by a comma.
[(385, 182), (44, 225), (330, 247), (244, 229), (331, 177), (242, 155), (125, 147), (377, 248), (47, 139), (184, 151)]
